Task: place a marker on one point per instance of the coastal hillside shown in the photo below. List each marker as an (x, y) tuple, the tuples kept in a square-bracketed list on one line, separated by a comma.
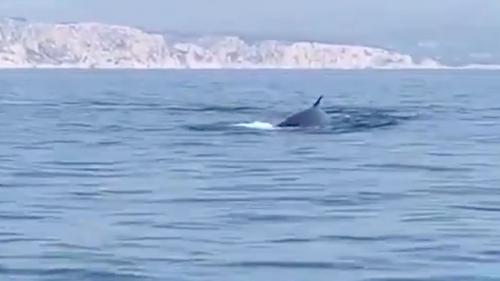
[(95, 45)]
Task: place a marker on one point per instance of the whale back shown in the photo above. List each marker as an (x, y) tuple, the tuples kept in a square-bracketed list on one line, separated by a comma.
[(310, 117)]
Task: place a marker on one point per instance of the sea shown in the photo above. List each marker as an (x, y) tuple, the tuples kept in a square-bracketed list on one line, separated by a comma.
[(182, 175)]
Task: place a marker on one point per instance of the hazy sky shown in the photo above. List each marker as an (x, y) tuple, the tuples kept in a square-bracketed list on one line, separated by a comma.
[(298, 18)]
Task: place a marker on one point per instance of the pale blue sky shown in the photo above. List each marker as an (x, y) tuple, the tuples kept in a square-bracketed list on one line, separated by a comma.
[(297, 18)]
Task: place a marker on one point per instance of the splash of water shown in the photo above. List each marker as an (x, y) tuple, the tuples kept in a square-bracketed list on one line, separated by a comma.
[(256, 125)]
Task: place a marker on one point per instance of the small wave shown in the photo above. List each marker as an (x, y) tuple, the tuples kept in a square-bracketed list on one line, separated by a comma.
[(18, 102), (230, 109), (256, 125)]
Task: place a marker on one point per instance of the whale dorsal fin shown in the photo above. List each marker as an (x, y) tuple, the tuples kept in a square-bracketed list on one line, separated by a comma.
[(316, 104)]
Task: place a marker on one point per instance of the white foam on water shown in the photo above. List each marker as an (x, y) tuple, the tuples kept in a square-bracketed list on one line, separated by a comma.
[(256, 125)]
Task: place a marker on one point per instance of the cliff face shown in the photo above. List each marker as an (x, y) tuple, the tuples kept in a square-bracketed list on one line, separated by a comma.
[(95, 45)]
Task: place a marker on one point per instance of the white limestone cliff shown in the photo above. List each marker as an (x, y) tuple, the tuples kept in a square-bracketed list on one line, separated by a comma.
[(95, 45)]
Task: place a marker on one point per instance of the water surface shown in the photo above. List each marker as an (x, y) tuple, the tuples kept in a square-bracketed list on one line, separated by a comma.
[(144, 175)]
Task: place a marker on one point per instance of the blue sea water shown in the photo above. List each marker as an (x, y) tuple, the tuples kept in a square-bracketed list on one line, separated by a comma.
[(179, 175)]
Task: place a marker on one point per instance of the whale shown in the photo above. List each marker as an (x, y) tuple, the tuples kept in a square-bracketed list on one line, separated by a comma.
[(313, 116)]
